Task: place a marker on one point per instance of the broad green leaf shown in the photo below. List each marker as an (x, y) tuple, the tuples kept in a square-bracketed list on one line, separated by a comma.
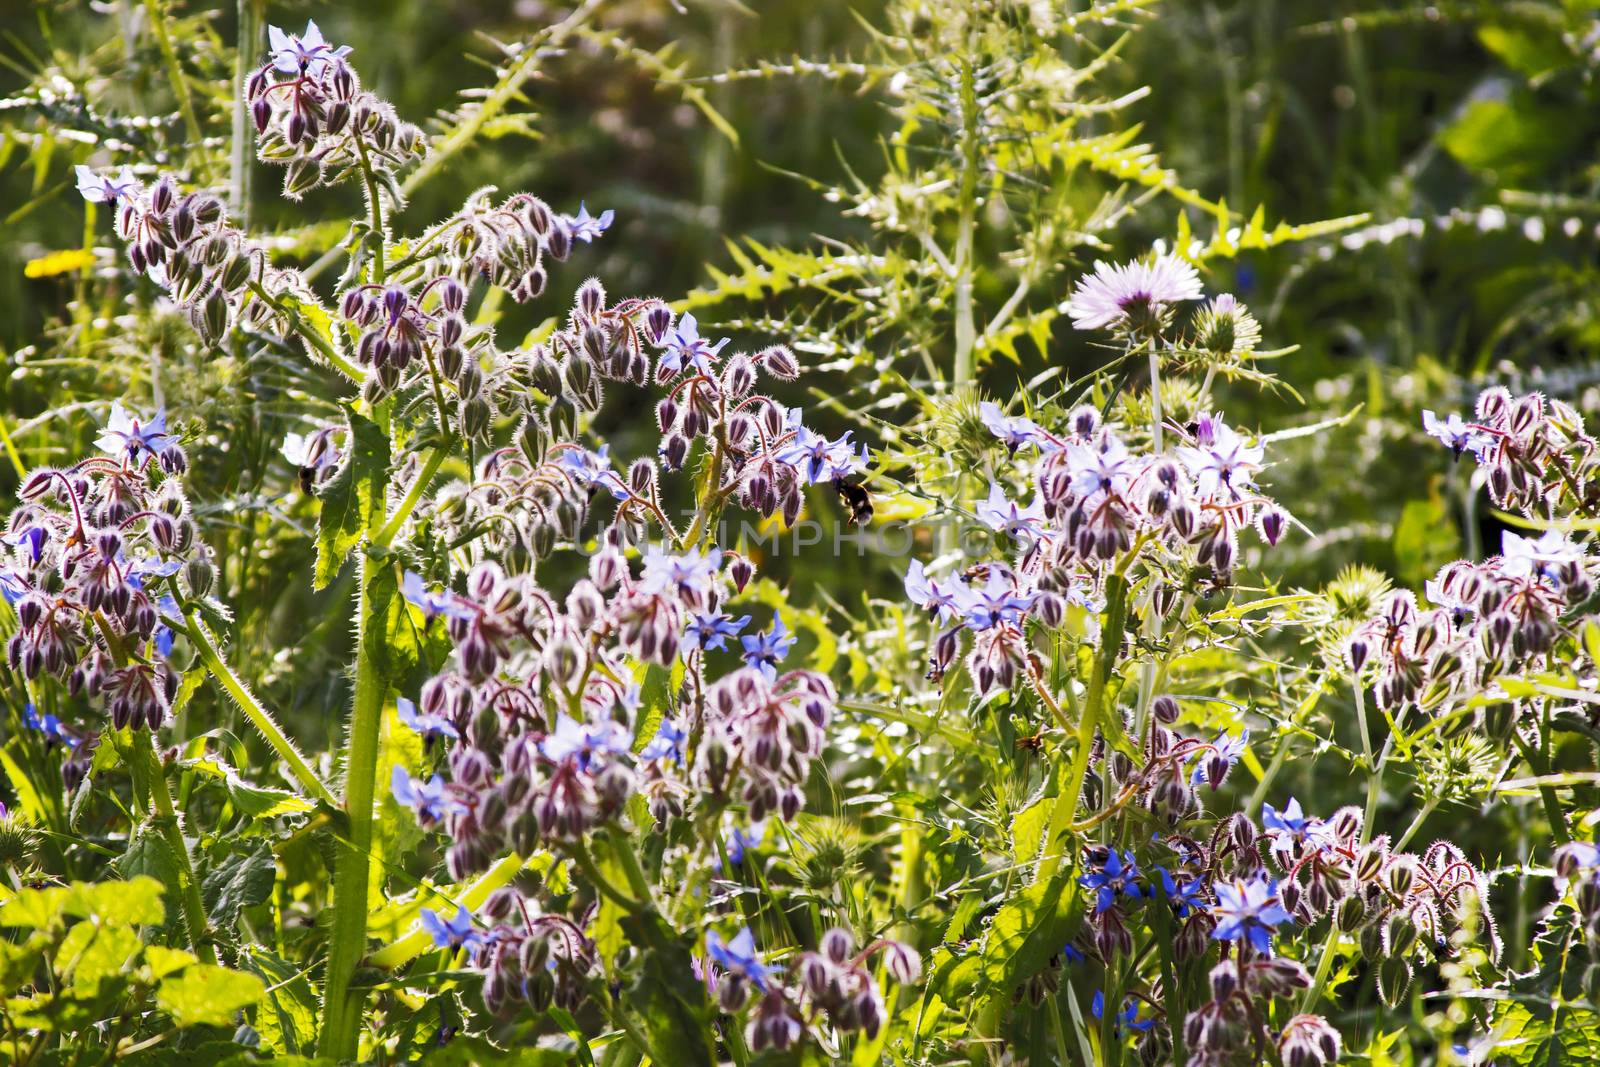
[(134, 902), (241, 881), (35, 909), (674, 1007), (1029, 929), (29, 802), (204, 994), (287, 1018), (354, 500), (105, 951)]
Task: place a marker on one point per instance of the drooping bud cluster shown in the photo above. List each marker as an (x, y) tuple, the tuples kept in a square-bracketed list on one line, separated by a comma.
[(312, 115), (184, 243), (97, 551), (543, 728), (833, 984), (1532, 450), (1504, 615), (1093, 498)]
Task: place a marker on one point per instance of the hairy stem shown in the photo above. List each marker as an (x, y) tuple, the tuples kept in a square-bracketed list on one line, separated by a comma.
[(258, 715), (347, 935), (1066, 806), (165, 817), (169, 59), (240, 174)]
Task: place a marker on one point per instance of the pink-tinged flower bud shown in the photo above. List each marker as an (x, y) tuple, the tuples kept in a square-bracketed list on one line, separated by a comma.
[(261, 113), (1271, 524), (1049, 609), (674, 450), (741, 570), (1184, 519), (657, 321), (1165, 709), (1085, 420), (902, 962), (838, 945), (558, 241), (591, 298)]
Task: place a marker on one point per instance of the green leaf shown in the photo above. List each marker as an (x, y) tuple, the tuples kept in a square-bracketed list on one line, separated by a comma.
[(472, 1051), (287, 1018), (29, 802), (136, 902), (1029, 929), (97, 952), (241, 881), (675, 1009), (204, 994), (353, 502)]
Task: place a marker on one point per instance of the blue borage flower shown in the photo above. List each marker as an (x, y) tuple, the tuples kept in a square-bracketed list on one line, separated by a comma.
[(1184, 896), (1214, 764), (453, 933), (126, 436), (739, 957), (666, 744), (1125, 1020), (431, 604), (684, 347), (688, 576), (586, 227), (430, 799), (1116, 874), (1543, 557), (817, 458), (1457, 434), (1221, 464), (1005, 516), (710, 631), (998, 603), (32, 538), (1248, 910), (937, 597), (592, 469), (307, 53), (428, 725), (106, 189), (583, 741), (739, 842), (765, 650), (48, 724), (1013, 431)]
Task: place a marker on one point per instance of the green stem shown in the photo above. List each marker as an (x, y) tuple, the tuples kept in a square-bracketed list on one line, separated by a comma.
[(375, 206), (347, 934), (1067, 800), (180, 89), (966, 325), (240, 174), (1374, 773), (1547, 794), (430, 466), (165, 817), (1172, 1002), (258, 715)]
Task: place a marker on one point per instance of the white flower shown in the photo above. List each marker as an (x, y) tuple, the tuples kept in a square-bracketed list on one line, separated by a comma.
[(1226, 462), (1112, 293)]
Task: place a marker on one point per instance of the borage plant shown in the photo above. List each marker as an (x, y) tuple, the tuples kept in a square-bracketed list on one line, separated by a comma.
[(580, 740)]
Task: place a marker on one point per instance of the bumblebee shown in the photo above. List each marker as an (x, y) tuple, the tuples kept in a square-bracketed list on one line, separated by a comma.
[(856, 499)]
